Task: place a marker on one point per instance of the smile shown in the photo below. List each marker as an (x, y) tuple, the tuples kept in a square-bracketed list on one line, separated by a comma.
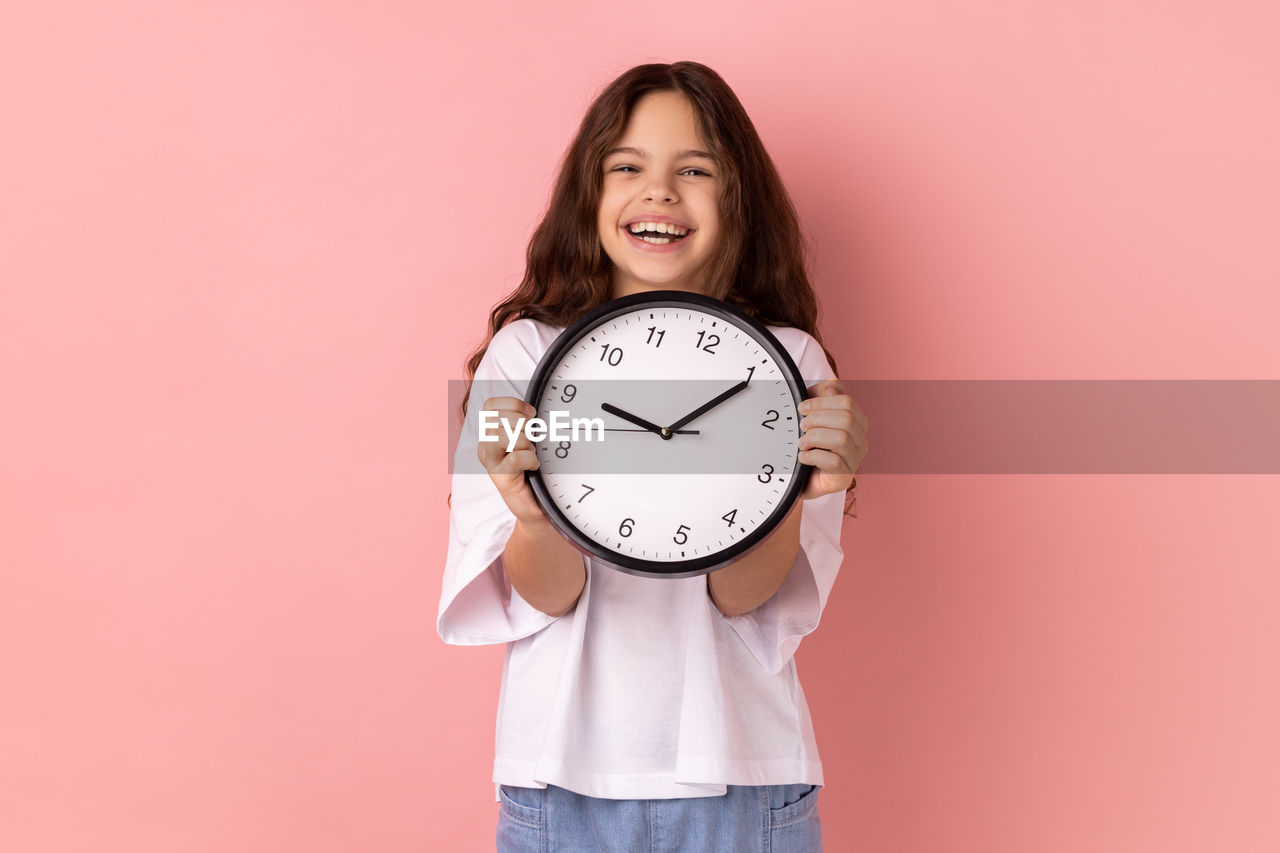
[(656, 236)]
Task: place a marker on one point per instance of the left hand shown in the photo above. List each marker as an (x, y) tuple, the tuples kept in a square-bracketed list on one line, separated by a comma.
[(834, 439)]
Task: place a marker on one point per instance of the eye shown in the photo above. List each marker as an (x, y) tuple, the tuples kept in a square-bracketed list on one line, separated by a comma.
[(623, 167), (697, 172)]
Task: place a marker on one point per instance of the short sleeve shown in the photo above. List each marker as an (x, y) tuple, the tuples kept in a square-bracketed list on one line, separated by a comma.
[(772, 632), (478, 604)]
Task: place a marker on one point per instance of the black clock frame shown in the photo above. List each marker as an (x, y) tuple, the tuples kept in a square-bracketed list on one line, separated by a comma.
[(666, 299)]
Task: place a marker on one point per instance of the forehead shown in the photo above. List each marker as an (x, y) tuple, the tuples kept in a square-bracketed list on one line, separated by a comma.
[(662, 121)]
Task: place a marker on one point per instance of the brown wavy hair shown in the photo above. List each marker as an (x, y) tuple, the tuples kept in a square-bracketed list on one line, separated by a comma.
[(761, 266)]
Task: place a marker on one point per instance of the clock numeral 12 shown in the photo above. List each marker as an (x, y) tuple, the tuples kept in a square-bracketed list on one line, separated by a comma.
[(712, 341)]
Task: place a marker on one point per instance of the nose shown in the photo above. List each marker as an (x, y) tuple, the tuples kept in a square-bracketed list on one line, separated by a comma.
[(658, 189)]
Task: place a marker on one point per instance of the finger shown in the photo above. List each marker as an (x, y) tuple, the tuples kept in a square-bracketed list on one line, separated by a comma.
[(824, 460), (835, 418), (492, 450), (510, 404), (835, 440), (828, 403), (518, 461)]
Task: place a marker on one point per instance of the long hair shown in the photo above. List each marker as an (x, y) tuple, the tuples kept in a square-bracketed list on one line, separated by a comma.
[(760, 268)]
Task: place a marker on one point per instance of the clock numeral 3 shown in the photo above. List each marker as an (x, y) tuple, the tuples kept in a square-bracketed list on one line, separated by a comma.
[(766, 473)]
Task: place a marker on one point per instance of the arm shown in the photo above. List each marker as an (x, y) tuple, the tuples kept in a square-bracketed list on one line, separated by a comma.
[(543, 567), (540, 563), (834, 442), (745, 584)]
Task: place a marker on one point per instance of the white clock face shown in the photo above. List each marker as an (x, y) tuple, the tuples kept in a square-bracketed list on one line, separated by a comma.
[(697, 492)]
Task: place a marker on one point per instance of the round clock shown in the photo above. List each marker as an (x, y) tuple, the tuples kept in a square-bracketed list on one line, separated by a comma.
[(668, 437)]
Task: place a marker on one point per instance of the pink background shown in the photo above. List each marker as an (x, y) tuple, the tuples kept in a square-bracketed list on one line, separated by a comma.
[(243, 248)]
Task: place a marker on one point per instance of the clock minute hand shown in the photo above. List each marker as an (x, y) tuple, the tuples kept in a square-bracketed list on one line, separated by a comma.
[(638, 421), (708, 406)]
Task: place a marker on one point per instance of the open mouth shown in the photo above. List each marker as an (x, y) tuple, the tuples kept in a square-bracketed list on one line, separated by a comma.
[(658, 233)]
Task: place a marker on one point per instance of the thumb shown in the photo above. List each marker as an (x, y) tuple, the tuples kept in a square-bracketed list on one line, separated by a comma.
[(826, 388)]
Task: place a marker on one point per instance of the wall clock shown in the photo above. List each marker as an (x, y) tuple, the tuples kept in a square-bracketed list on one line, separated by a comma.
[(693, 460)]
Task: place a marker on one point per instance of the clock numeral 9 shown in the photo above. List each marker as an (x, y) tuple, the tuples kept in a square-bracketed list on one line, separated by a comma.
[(712, 341), (766, 473), (567, 395), (563, 450), (624, 529), (613, 355), (766, 423), (682, 535)]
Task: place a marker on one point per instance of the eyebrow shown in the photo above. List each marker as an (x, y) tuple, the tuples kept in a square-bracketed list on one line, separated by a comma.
[(640, 152)]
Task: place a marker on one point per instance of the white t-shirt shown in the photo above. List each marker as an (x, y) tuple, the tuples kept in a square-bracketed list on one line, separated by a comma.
[(645, 690)]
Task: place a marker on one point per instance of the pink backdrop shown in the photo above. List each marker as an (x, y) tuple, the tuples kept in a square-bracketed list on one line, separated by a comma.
[(244, 247)]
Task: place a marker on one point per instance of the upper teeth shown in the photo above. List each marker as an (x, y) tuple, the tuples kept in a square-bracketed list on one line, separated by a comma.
[(660, 227)]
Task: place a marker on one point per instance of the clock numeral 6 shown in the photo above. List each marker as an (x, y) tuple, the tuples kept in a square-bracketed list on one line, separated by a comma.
[(563, 450), (613, 355), (766, 473), (766, 423), (682, 535), (567, 395), (624, 529)]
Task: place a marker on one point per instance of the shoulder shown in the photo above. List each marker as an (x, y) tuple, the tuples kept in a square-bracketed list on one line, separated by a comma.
[(517, 347), (805, 351)]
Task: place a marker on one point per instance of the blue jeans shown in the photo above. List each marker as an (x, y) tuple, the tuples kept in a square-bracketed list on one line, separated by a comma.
[(747, 819)]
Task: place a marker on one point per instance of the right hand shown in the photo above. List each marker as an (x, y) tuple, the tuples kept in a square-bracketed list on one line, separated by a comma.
[(507, 469)]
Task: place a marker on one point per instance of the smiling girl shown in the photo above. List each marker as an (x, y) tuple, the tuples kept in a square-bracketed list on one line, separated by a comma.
[(641, 713)]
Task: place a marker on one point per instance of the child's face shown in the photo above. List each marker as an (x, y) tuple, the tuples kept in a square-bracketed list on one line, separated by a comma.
[(660, 179)]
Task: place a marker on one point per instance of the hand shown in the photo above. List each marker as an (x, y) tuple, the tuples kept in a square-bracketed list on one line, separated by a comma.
[(834, 438), (627, 416), (507, 469), (708, 406)]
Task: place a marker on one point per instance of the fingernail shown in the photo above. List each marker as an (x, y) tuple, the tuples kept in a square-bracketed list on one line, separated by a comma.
[(804, 407)]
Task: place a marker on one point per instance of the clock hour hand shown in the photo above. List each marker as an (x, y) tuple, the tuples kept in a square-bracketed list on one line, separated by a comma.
[(638, 421), (708, 406)]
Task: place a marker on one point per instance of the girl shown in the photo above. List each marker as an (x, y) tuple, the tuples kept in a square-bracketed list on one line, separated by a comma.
[(642, 713)]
